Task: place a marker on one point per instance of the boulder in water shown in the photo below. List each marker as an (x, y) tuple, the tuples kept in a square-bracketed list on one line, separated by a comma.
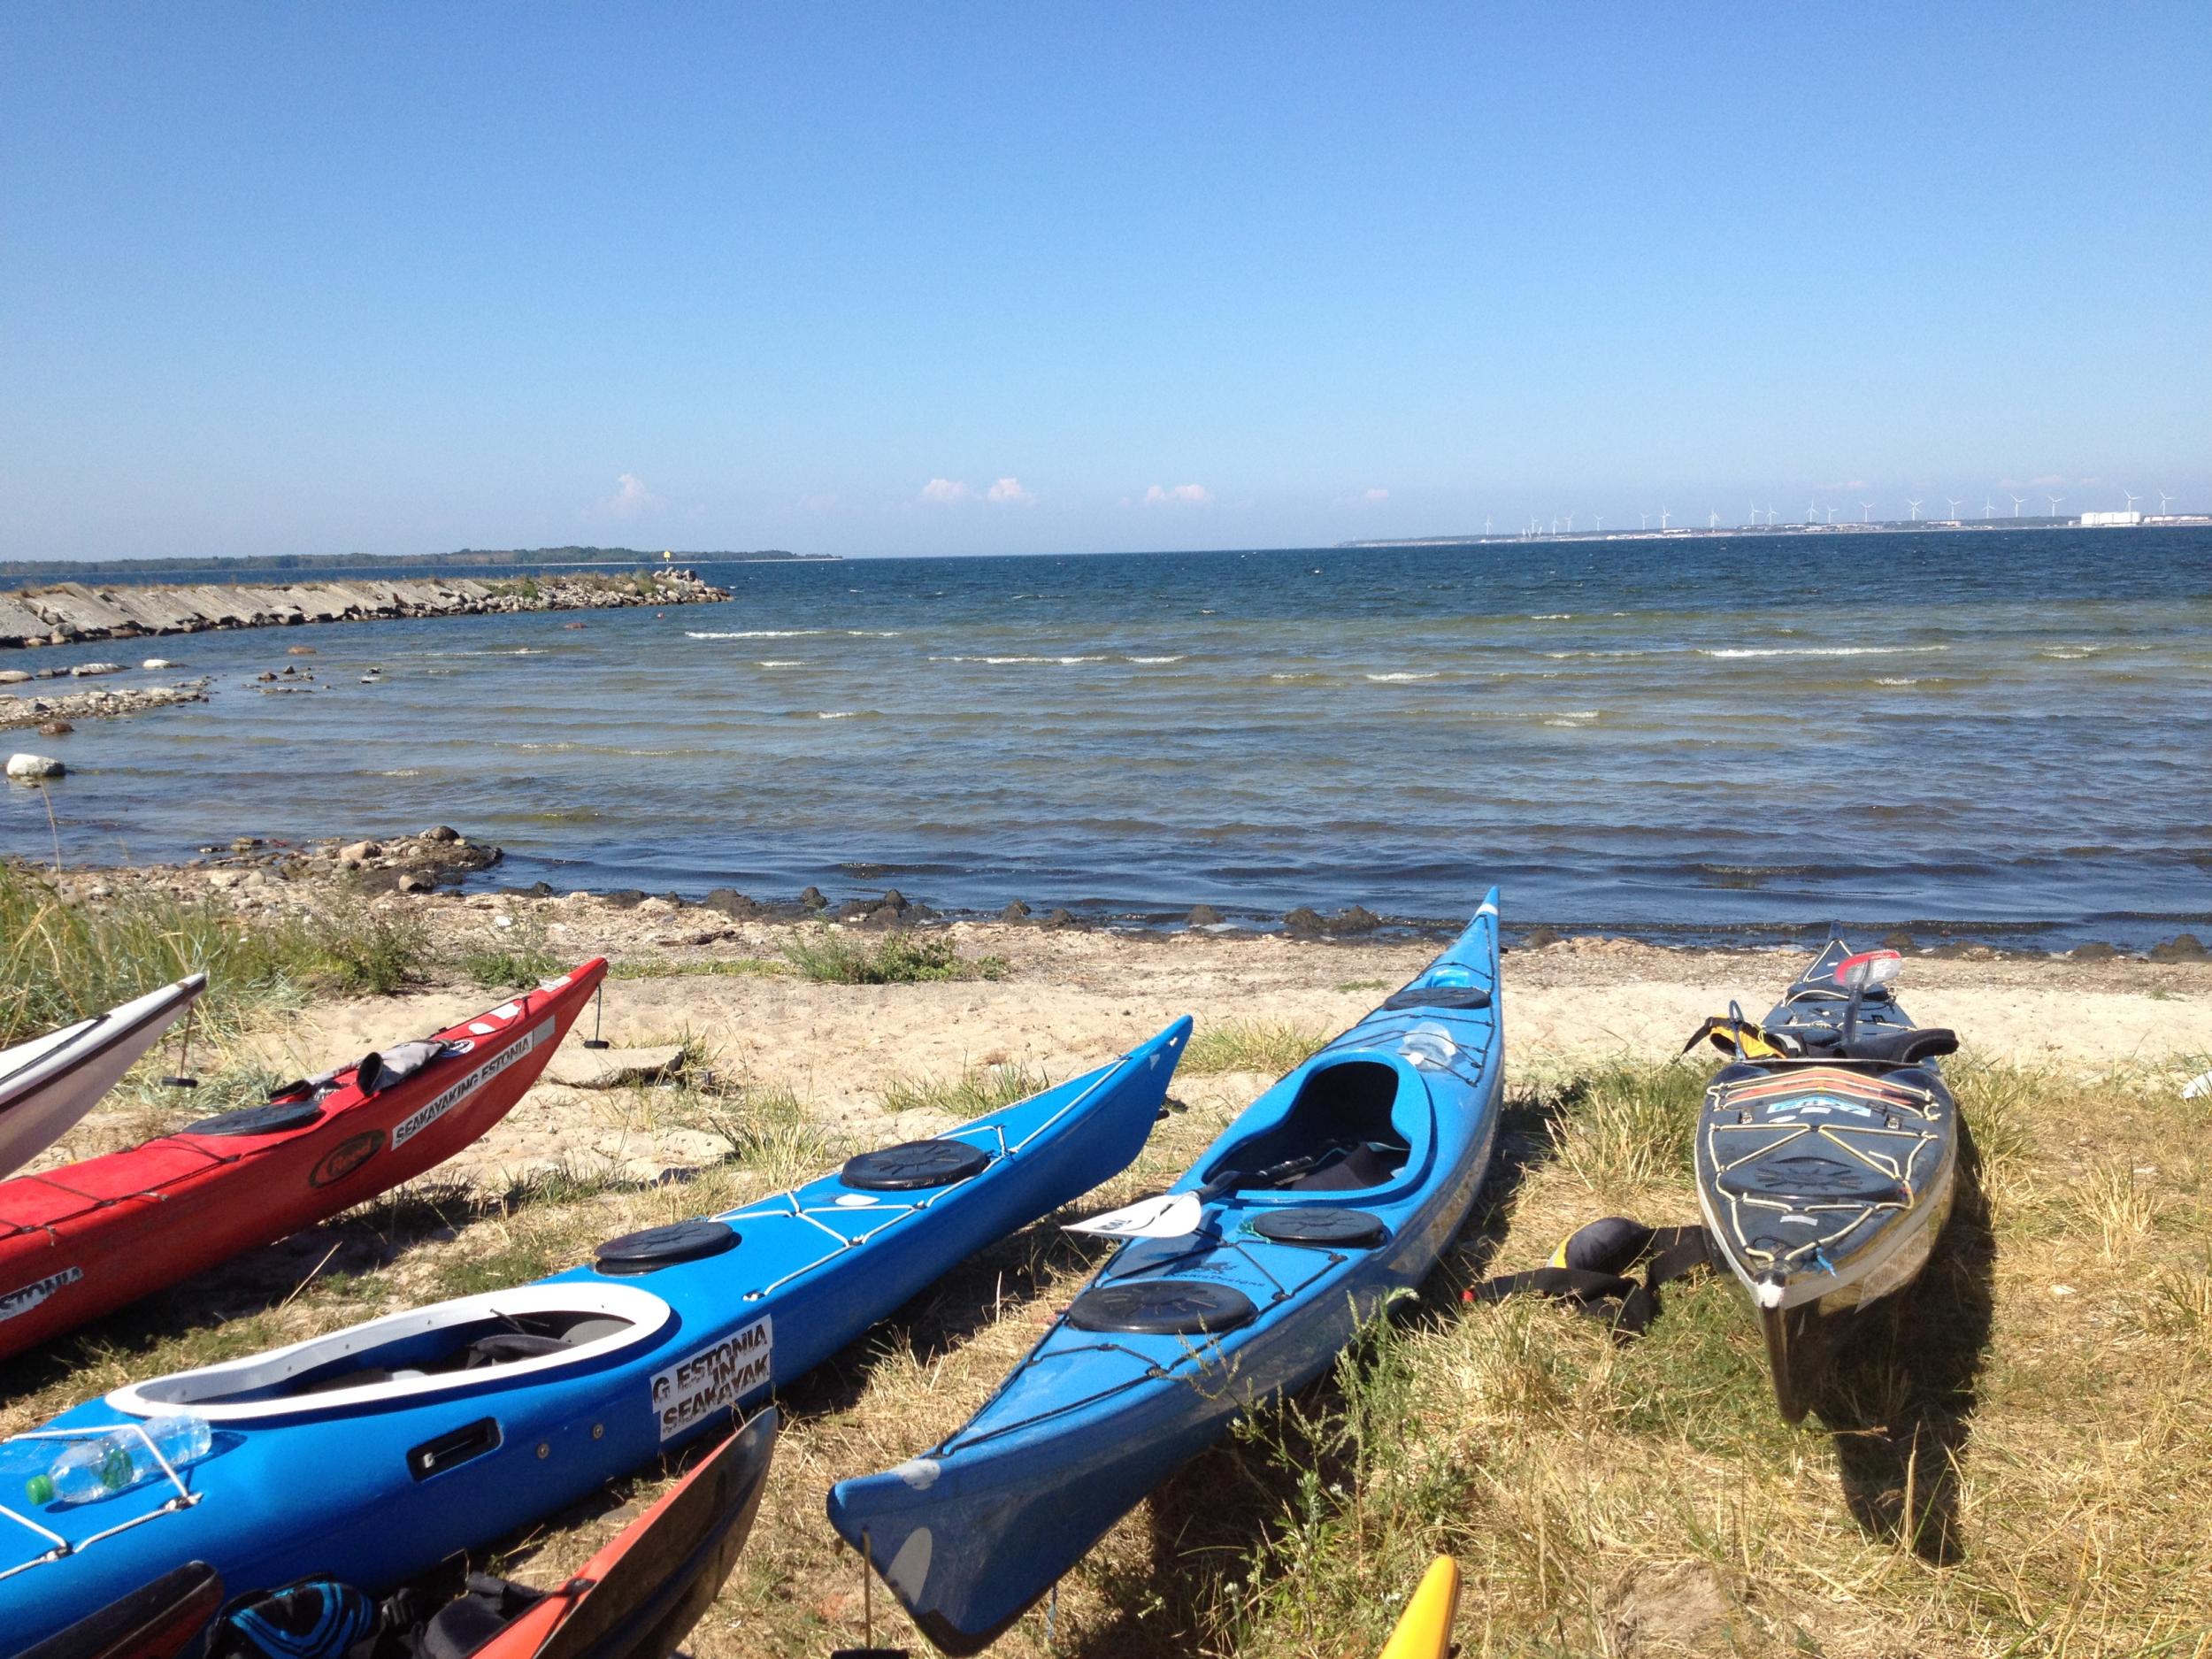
[(34, 768)]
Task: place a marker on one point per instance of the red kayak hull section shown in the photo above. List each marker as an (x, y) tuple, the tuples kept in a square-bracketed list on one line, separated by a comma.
[(639, 1596), (83, 1239)]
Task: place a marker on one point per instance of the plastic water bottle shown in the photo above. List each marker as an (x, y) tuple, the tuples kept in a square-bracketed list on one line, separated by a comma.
[(91, 1468)]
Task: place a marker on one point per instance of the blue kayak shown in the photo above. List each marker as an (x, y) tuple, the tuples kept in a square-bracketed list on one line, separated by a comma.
[(373, 1453), (1334, 1190)]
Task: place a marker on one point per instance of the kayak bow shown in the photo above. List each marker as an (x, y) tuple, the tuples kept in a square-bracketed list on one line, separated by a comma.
[(47, 1084), (1370, 1155), (1424, 1630)]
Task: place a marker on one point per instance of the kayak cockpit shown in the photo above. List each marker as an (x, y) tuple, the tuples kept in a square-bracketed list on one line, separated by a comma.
[(446, 1348), (1363, 1119)]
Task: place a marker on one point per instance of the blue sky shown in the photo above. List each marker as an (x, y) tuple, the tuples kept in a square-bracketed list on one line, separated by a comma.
[(403, 277)]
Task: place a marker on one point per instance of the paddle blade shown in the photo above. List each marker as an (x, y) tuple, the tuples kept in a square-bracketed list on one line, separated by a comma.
[(1171, 1216)]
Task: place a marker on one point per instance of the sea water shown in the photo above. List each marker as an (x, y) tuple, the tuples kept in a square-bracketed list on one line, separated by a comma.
[(2012, 732)]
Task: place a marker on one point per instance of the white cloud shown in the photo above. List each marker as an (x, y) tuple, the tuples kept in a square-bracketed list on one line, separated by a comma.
[(1843, 483), (1180, 495), (630, 496), (943, 492), (1009, 492), (2047, 480), (1374, 495)]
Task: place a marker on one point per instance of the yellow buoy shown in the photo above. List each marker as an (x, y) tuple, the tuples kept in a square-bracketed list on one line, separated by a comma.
[(1425, 1630)]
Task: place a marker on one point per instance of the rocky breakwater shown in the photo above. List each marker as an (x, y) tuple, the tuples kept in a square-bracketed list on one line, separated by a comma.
[(439, 856), (58, 614), (54, 712)]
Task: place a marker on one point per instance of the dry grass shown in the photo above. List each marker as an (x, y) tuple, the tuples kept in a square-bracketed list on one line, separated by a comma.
[(2014, 1461)]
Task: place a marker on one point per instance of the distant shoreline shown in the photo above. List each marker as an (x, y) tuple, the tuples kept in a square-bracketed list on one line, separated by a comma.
[(464, 558), (1720, 533)]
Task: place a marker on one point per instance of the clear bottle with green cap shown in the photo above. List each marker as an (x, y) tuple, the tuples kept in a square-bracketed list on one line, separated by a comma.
[(119, 1459)]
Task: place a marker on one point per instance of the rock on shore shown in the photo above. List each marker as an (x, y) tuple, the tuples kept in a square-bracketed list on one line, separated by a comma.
[(72, 611)]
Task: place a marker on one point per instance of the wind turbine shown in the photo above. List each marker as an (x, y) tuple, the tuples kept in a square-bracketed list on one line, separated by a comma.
[(1771, 518), (2018, 501), (1866, 512), (1954, 507), (2163, 499), (1643, 521), (1712, 519), (2132, 498), (1485, 523), (1570, 523), (1989, 509), (1600, 529), (1810, 512), (1663, 517), (2054, 500), (1915, 509)]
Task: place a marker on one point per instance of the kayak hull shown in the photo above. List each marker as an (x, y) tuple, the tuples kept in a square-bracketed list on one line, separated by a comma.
[(81, 1240), (417, 1453), (1174, 1338), (49, 1084)]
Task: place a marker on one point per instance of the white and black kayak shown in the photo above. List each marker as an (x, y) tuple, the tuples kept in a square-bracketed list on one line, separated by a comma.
[(1827, 1154), (47, 1084)]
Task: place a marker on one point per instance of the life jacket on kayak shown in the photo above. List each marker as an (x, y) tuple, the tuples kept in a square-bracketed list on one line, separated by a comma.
[(1742, 1039)]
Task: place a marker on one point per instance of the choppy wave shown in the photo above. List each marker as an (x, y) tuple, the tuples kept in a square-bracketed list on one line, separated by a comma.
[(1392, 680), (1001, 661), (781, 662), (756, 633), (1820, 650)]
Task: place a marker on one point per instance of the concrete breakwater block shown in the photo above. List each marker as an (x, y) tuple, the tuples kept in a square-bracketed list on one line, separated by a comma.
[(578, 1067)]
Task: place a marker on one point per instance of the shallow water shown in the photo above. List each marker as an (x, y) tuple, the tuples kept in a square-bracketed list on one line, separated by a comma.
[(2009, 731)]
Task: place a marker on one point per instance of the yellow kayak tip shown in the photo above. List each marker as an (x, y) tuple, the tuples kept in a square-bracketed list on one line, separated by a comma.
[(1425, 1632)]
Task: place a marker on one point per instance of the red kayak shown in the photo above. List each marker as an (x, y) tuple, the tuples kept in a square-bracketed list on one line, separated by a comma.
[(80, 1240), (638, 1597)]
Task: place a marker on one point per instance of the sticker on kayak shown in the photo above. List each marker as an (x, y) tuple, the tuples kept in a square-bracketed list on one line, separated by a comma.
[(27, 1298), (693, 1389), (346, 1157), (423, 1116)]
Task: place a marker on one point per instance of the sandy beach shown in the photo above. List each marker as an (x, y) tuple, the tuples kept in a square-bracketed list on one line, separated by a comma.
[(1070, 997)]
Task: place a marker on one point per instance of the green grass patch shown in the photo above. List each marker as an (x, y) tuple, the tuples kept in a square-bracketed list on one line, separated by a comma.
[(977, 1090), (831, 957), (1250, 1046), (62, 961), (713, 968)]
